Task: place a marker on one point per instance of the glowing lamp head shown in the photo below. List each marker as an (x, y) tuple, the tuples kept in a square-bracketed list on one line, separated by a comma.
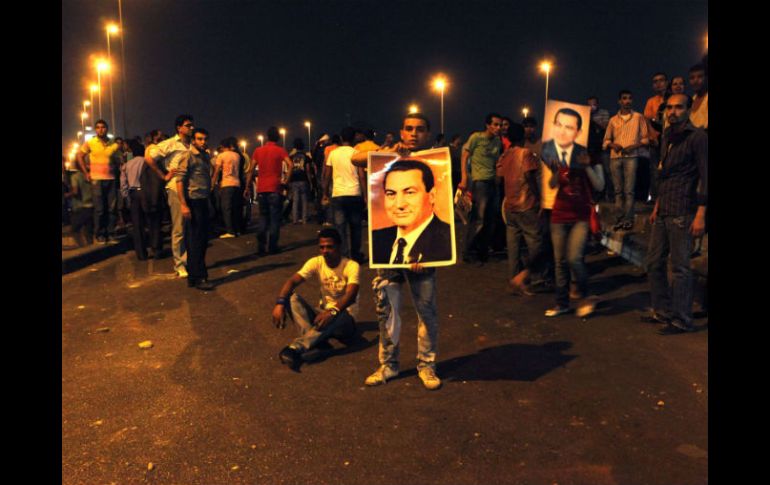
[(413, 108), (545, 66)]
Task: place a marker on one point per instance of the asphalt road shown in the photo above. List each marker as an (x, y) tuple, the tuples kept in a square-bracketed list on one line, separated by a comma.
[(526, 399)]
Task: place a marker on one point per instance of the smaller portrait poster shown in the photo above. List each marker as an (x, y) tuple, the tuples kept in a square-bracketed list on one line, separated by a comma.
[(565, 137), (411, 211)]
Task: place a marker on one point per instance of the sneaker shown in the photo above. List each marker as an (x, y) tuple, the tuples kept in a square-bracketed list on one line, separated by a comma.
[(182, 272), (381, 376), (204, 285), (586, 307), (291, 357), (675, 327), (556, 311), (429, 378), (226, 235)]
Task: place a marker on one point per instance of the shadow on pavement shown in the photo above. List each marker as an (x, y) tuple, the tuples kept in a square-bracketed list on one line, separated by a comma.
[(248, 272), (356, 343), (618, 306), (510, 362)]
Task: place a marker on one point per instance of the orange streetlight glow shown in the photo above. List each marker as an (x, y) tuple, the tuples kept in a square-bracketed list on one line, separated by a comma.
[(439, 84), (413, 108), (546, 67)]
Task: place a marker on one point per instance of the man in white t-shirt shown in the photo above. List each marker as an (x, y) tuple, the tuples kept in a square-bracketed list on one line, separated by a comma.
[(348, 195), (336, 312)]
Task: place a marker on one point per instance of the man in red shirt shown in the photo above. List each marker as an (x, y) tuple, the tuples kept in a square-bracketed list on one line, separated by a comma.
[(271, 162)]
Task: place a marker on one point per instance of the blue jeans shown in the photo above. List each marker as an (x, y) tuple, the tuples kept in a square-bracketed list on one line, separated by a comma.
[(526, 224), (349, 210), (105, 194), (569, 242), (387, 299), (623, 180), (270, 210), (299, 191), (309, 336), (671, 235), (481, 225)]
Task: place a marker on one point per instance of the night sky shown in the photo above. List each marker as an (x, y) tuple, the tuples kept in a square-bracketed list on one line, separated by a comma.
[(240, 66)]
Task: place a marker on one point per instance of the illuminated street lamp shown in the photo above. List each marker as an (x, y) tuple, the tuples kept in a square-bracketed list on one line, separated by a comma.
[(439, 84), (101, 65), (94, 88), (243, 146), (545, 67), (525, 111), (307, 123), (261, 140), (83, 117), (413, 108), (80, 134), (111, 29), (282, 131)]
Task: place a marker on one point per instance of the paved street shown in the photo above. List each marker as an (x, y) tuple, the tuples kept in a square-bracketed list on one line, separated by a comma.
[(526, 399)]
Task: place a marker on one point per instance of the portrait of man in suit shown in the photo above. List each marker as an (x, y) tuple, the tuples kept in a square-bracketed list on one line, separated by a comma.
[(563, 148), (417, 234)]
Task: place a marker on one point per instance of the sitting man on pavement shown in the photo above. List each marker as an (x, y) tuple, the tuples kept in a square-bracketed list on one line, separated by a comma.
[(335, 315)]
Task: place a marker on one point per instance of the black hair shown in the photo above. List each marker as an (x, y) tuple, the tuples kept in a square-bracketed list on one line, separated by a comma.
[(404, 165), (347, 134), (230, 142), (592, 97), (200, 130), (272, 134), (455, 137), (530, 121), (179, 121), (660, 73), (698, 67), (299, 144), (570, 112), (331, 233), (489, 117), (515, 133), (622, 92), (136, 148), (689, 99), (418, 116), (336, 140), (102, 122), (369, 134)]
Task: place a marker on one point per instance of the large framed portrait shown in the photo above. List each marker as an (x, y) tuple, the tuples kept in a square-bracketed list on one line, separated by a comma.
[(411, 211)]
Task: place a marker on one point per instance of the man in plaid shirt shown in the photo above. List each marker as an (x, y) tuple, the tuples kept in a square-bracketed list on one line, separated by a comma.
[(678, 217)]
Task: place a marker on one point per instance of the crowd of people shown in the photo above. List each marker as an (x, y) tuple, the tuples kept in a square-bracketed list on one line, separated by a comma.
[(522, 189)]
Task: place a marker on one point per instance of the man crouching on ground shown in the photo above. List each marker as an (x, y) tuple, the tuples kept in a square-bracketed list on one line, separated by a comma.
[(338, 307)]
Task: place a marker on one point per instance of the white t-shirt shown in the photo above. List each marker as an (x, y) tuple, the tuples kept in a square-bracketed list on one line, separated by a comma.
[(333, 280), (344, 173)]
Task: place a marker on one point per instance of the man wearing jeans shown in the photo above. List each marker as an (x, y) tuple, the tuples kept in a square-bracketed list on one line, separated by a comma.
[(269, 161), (483, 150), (105, 156), (626, 132), (679, 216), (348, 200), (335, 315), (415, 134)]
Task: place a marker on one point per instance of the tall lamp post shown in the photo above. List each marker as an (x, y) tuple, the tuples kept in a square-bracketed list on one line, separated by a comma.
[(440, 84), (101, 65), (307, 123), (111, 29), (525, 111), (83, 117), (545, 67), (282, 131), (261, 140), (94, 88), (243, 146)]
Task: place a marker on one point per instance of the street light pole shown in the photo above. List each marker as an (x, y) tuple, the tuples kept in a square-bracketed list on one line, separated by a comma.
[(111, 29), (307, 123), (123, 65)]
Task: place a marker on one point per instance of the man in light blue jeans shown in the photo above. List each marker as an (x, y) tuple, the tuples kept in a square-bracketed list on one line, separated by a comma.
[(626, 132)]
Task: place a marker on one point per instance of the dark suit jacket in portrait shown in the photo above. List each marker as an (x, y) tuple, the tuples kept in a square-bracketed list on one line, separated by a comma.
[(435, 244), (551, 153)]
